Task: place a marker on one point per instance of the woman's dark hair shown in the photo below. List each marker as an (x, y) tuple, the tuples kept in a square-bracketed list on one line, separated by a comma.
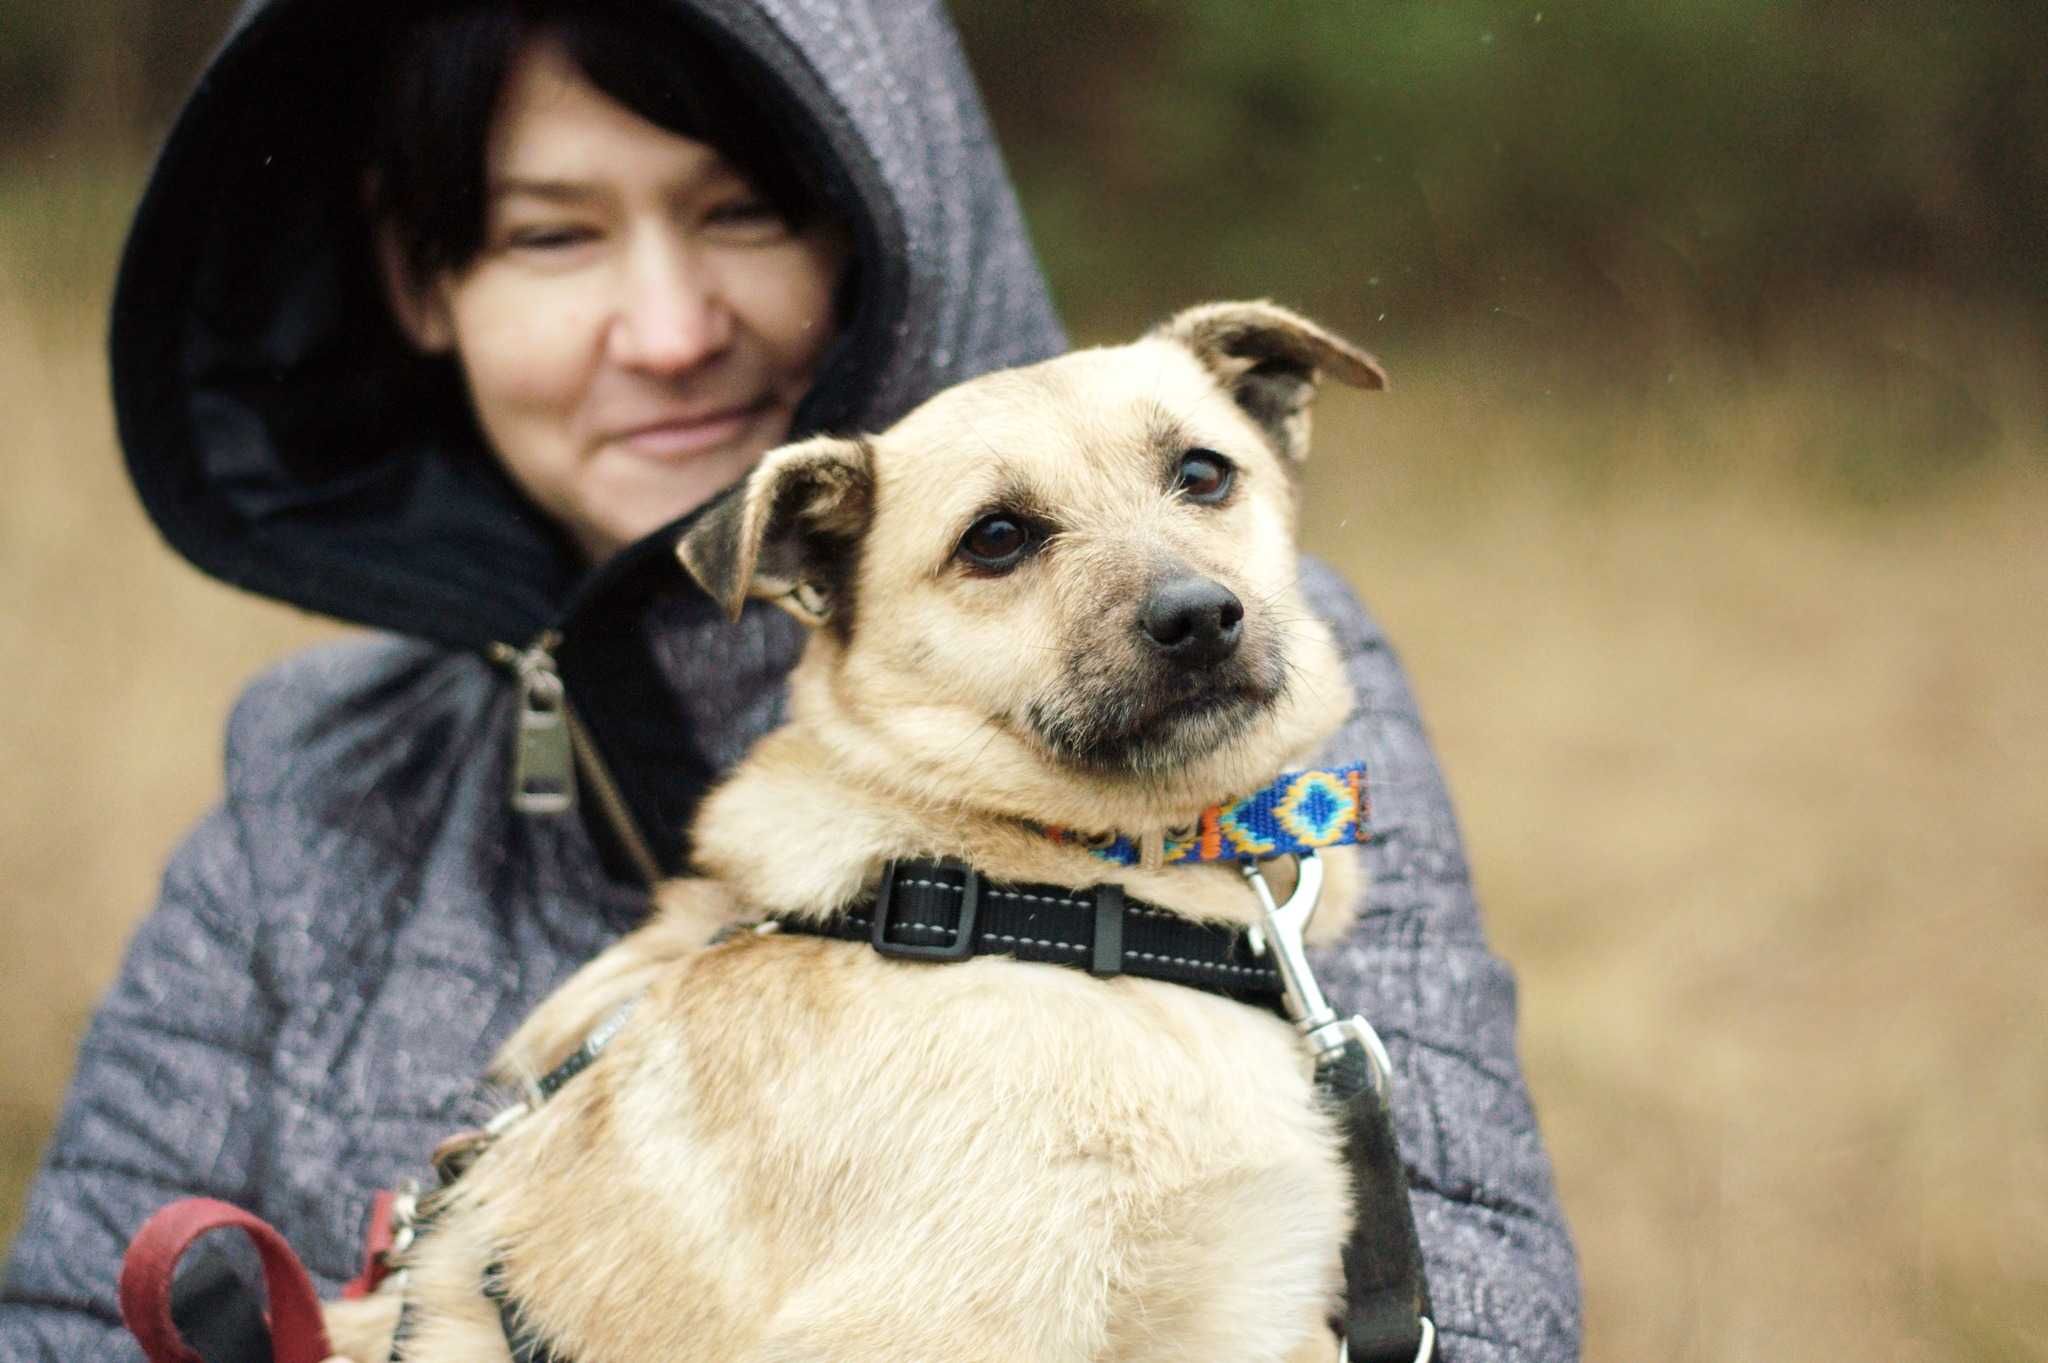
[(445, 72)]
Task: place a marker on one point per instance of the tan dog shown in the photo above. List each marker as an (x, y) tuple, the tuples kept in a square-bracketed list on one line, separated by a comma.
[(1059, 595)]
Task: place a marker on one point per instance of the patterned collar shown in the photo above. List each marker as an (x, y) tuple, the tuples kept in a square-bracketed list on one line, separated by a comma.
[(1298, 812)]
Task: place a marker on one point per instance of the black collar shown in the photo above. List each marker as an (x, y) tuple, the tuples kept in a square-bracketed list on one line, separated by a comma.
[(944, 911)]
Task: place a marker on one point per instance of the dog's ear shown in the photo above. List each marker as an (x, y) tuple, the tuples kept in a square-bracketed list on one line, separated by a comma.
[(1270, 360), (789, 533)]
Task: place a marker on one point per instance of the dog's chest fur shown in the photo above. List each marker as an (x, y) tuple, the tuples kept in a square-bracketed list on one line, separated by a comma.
[(801, 1149)]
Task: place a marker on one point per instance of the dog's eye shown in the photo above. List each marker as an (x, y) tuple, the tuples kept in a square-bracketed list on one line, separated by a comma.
[(996, 543), (1204, 476)]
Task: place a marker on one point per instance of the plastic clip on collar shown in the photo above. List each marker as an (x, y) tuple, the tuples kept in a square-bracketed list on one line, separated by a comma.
[(1386, 1295)]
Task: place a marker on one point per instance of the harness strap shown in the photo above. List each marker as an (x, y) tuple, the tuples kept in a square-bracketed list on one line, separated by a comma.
[(944, 911), (455, 1156), (593, 1046), (526, 1346)]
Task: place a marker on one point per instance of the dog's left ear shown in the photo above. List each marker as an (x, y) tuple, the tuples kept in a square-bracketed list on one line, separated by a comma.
[(1270, 360), (789, 533)]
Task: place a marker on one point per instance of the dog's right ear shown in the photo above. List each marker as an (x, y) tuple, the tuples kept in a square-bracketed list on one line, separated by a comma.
[(789, 533), (1270, 360)]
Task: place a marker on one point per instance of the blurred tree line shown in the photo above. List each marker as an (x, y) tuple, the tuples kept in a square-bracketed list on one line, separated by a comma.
[(1573, 161), (1573, 164)]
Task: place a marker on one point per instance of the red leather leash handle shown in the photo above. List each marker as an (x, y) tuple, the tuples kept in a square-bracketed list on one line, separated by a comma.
[(297, 1334)]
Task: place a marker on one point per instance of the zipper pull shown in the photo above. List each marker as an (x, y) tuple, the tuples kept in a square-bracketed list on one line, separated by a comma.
[(544, 751)]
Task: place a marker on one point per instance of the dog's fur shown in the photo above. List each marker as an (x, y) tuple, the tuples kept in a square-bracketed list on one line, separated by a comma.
[(797, 1148)]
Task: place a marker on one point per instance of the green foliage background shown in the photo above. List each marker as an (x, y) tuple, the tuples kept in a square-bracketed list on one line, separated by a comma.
[(1592, 163)]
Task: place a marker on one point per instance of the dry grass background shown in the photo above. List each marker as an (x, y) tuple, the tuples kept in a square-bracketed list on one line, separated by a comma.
[(1751, 762)]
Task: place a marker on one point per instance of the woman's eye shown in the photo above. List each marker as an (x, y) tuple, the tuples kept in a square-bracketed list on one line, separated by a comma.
[(1204, 476), (745, 209), (751, 216), (996, 543), (548, 238)]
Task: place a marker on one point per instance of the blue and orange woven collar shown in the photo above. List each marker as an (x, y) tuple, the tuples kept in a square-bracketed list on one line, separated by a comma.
[(1299, 812)]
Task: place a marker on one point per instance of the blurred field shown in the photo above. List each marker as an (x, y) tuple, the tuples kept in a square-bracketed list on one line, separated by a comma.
[(1754, 777), (1736, 668)]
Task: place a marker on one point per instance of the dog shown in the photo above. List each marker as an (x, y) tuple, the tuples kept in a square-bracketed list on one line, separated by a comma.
[(1061, 597)]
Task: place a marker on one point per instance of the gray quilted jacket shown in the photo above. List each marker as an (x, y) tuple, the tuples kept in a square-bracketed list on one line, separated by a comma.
[(342, 944)]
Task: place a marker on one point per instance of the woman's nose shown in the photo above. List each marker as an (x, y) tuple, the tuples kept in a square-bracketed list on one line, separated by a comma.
[(670, 315)]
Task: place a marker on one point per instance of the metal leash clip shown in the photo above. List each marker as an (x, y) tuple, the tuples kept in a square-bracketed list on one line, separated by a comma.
[(1284, 929), (1282, 934)]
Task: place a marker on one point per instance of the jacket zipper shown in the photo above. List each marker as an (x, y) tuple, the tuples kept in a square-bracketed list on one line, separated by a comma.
[(551, 746)]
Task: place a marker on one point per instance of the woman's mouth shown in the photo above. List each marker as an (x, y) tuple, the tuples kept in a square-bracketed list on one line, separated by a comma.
[(686, 436)]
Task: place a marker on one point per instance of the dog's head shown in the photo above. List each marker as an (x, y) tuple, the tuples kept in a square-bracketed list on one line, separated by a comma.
[(1076, 576)]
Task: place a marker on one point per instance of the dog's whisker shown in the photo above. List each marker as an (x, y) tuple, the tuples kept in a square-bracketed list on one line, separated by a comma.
[(971, 735)]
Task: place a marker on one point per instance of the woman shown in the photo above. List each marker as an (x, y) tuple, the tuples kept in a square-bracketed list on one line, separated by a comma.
[(454, 387)]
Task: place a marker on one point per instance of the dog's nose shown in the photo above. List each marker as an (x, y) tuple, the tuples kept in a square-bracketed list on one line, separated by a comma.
[(1193, 620)]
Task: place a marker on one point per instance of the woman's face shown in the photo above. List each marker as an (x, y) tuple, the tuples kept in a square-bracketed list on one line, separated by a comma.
[(640, 324)]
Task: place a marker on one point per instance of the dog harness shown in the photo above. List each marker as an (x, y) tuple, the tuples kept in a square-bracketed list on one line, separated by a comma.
[(939, 911), (943, 911)]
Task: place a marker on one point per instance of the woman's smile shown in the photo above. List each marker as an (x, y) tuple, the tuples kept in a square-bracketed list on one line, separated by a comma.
[(686, 434)]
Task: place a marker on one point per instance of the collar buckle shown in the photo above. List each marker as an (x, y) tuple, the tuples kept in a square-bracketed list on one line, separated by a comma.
[(962, 945)]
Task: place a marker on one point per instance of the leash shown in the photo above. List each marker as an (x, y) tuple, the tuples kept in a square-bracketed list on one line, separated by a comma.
[(296, 1330), (297, 1334), (1387, 1312)]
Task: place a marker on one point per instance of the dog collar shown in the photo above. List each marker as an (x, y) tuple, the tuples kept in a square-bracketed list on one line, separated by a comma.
[(1299, 812), (945, 911)]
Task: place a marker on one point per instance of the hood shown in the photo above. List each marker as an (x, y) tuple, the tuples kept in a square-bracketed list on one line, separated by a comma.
[(283, 437)]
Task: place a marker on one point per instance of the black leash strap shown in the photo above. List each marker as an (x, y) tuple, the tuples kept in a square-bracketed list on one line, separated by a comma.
[(944, 911), (1386, 1295)]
